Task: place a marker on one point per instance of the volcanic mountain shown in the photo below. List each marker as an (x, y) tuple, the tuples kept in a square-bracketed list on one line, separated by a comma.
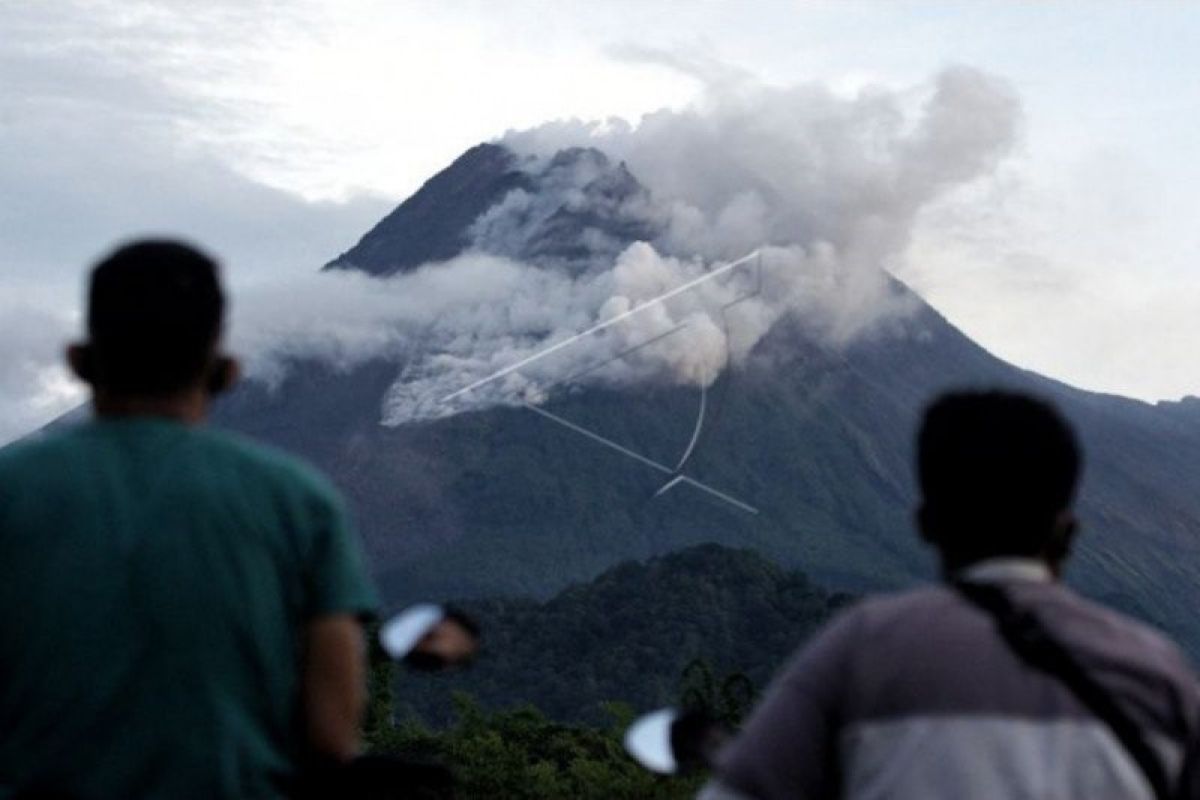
[(815, 436)]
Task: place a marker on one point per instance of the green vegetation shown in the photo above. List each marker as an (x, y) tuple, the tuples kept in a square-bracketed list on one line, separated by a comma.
[(702, 628), (628, 635), (521, 754)]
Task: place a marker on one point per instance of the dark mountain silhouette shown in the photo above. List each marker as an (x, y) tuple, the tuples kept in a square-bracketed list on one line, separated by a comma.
[(816, 436), (432, 224), (630, 634)]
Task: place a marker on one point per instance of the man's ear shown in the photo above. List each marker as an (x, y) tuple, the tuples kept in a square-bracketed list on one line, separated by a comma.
[(81, 359), (223, 375), (1066, 525)]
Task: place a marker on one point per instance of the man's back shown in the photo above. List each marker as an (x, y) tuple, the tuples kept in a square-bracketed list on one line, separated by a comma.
[(155, 579), (917, 695)]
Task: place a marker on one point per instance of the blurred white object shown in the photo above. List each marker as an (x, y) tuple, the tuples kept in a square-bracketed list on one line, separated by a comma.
[(648, 740), (400, 634)]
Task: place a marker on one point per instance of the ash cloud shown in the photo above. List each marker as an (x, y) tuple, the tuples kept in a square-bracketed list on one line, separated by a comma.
[(826, 187)]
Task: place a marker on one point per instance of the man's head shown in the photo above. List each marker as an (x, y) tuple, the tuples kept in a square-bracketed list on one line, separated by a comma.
[(997, 473), (154, 320)]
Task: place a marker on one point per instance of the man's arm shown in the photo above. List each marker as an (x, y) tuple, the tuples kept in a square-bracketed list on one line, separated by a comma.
[(335, 684), (338, 598)]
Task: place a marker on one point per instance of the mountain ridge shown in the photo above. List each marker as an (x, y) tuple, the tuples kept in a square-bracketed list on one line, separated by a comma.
[(630, 633), (419, 231), (816, 435)]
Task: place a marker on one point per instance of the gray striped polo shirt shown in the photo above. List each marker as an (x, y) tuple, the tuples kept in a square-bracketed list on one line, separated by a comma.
[(916, 695)]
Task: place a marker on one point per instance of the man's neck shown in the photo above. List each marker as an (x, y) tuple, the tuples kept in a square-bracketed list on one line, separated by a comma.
[(189, 407)]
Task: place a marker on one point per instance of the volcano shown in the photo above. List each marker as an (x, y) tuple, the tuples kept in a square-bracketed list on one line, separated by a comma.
[(815, 437)]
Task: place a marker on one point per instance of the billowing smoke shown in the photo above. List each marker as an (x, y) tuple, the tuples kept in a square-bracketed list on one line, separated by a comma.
[(824, 187)]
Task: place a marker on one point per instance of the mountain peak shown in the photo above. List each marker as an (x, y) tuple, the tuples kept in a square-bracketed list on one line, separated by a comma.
[(574, 156), (570, 211), (433, 224), (1186, 408)]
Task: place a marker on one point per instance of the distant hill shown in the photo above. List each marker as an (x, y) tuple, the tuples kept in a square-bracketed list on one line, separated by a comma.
[(628, 635), (816, 436)]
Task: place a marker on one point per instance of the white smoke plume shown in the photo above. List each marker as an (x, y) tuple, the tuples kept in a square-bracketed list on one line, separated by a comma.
[(826, 187)]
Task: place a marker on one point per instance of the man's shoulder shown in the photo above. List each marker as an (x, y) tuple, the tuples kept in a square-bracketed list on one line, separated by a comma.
[(889, 609), (876, 622), (250, 458), (1066, 611), (36, 449), (1114, 637), (935, 616)]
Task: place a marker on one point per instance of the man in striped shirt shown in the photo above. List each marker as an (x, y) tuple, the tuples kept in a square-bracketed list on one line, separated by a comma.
[(920, 695)]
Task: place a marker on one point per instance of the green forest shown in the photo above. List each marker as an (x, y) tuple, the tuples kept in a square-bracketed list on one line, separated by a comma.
[(542, 712), (627, 636)]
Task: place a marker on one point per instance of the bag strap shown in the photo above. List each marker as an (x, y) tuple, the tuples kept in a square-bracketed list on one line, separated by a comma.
[(1030, 640)]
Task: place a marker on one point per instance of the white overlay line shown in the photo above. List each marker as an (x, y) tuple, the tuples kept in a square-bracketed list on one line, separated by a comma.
[(595, 437), (601, 326)]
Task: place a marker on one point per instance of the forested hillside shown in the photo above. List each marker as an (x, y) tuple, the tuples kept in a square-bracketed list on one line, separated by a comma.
[(542, 713), (641, 634)]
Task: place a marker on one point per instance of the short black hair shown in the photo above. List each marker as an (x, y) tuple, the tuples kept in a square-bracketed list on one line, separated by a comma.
[(996, 468), (155, 311)]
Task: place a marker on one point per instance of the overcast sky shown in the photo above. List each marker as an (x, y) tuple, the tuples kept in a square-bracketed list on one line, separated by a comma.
[(278, 132)]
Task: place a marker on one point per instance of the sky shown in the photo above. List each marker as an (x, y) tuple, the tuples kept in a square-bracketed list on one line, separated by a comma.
[(276, 133)]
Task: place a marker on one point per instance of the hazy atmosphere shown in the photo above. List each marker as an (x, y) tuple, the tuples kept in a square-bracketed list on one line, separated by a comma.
[(728, 400), (1031, 170)]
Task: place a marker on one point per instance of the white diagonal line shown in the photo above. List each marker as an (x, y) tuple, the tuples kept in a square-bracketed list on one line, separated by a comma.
[(598, 438), (595, 437), (623, 354), (601, 326), (687, 453), (722, 495), (669, 485)]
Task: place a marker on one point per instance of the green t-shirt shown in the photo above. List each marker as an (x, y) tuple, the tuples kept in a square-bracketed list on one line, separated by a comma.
[(155, 581)]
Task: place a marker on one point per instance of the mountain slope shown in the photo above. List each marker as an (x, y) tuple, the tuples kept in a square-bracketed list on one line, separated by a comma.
[(432, 224), (816, 436)]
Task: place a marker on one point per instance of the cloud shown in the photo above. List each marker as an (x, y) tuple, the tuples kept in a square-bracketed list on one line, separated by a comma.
[(91, 153), (825, 187), (101, 181), (1093, 290), (827, 184), (34, 384), (71, 204), (699, 61), (822, 166), (107, 120)]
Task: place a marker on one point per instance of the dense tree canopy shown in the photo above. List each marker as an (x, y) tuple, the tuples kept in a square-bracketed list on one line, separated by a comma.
[(629, 634), (542, 713)]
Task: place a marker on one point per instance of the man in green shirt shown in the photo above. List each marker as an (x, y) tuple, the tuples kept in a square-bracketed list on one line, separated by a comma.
[(180, 610)]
